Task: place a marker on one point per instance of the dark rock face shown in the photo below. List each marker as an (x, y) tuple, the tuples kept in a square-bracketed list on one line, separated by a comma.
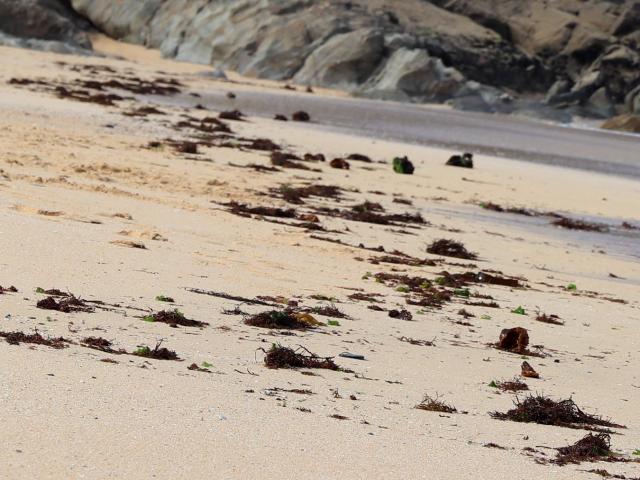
[(47, 20)]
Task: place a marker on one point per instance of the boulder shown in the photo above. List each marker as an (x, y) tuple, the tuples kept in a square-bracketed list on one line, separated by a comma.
[(48, 20), (346, 60), (414, 74), (599, 105)]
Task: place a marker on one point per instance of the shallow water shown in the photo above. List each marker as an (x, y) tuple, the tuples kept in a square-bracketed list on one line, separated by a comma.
[(498, 135)]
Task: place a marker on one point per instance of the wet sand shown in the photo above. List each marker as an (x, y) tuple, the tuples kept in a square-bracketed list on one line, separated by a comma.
[(80, 184)]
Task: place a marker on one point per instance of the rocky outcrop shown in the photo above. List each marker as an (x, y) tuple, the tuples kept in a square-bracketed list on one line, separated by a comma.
[(575, 56), (43, 24)]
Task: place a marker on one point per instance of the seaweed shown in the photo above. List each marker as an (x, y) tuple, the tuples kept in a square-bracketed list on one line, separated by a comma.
[(16, 338), (157, 353), (545, 411), (434, 404), (590, 448), (277, 319), (173, 318), (514, 340), (450, 248), (283, 357)]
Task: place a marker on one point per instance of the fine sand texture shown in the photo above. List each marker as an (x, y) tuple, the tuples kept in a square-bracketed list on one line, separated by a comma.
[(118, 198)]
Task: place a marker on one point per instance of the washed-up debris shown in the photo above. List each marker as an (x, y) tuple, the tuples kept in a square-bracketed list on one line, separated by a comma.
[(329, 311), (465, 160), (67, 304), (403, 165), (413, 341), (340, 163), (450, 248), (157, 353), (102, 344), (371, 212), (514, 340), (297, 195), (196, 368), (173, 318), (10, 289), (583, 225), (235, 115), (401, 314), (358, 157), (283, 357), (459, 280), (277, 319), (545, 411), (16, 338), (552, 319), (518, 211), (353, 356), (590, 448), (515, 385), (314, 157), (263, 144), (284, 160), (528, 371), (244, 210), (434, 404), (301, 116), (280, 117), (399, 258)]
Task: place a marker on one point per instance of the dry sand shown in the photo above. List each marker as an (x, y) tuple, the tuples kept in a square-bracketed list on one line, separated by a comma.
[(76, 177)]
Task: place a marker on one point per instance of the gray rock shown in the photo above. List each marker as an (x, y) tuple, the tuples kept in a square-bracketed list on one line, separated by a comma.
[(632, 101), (43, 45), (599, 105), (414, 74), (49, 20), (346, 60)]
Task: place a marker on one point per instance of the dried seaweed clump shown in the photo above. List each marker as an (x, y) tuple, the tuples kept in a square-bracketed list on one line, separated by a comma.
[(552, 319), (16, 338), (545, 411), (99, 343), (590, 448), (67, 304), (285, 319), (296, 195), (174, 318), (434, 404), (515, 385), (158, 352), (450, 248), (583, 225), (284, 357)]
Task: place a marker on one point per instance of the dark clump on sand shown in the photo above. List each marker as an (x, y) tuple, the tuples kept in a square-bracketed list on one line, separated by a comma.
[(297, 195), (583, 225), (282, 357), (545, 411), (432, 404), (236, 115), (99, 343), (245, 210), (157, 353), (590, 448), (16, 338), (514, 340), (465, 160), (10, 289), (450, 248), (301, 116), (66, 304), (173, 318), (276, 319)]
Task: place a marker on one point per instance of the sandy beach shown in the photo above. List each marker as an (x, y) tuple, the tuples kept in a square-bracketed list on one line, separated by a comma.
[(118, 201)]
